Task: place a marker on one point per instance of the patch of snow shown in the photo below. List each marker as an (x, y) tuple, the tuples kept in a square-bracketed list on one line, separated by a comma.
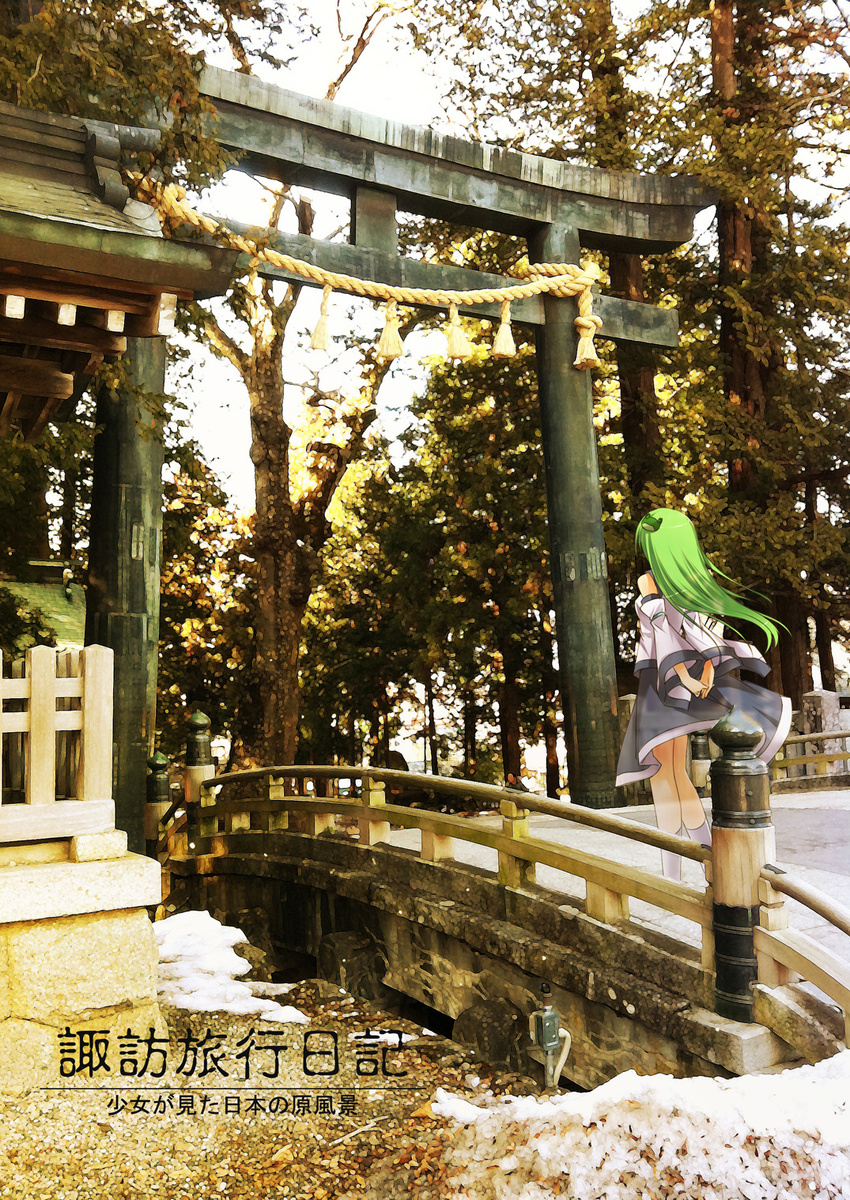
[(198, 970), (759, 1137)]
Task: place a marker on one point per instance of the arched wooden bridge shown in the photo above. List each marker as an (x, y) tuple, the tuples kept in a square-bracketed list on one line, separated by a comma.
[(316, 849)]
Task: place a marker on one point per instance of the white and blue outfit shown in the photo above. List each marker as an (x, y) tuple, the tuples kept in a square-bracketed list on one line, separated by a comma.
[(665, 709)]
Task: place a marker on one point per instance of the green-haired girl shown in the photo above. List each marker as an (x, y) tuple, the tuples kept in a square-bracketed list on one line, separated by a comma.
[(683, 667)]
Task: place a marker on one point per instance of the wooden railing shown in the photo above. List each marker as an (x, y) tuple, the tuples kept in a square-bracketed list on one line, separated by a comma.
[(781, 951), (368, 817), (821, 762), (56, 731), (748, 890)]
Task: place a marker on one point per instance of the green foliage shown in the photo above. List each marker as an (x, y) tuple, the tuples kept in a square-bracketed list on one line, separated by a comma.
[(439, 565), (21, 627), (208, 606), (134, 63), (754, 427)]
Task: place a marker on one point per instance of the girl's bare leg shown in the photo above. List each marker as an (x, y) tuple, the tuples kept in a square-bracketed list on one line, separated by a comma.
[(693, 815), (668, 808)]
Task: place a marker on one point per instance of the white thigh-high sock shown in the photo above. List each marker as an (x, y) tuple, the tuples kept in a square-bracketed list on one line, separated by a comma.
[(671, 865), (702, 835)]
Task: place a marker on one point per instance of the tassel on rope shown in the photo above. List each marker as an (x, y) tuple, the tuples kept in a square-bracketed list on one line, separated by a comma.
[(320, 339), (503, 343), (458, 344), (587, 325), (390, 346)]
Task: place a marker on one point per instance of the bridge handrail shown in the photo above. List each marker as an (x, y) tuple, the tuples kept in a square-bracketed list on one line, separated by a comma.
[(438, 784), (832, 735), (818, 901), (780, 764), (781, 951), (609, 884)]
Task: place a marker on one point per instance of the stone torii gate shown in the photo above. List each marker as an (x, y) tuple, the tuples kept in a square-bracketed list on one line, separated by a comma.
[(383, 168)]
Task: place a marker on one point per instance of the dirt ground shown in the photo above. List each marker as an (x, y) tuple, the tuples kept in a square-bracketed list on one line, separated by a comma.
[(321, 1117)]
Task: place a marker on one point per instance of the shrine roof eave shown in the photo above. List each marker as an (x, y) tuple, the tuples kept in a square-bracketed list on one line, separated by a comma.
[(131, 259)]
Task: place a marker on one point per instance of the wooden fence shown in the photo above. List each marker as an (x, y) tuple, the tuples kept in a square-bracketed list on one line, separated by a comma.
[(786, 758), (56, 731)]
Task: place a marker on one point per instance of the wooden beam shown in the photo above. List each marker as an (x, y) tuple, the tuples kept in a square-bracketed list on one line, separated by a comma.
[(12, 307), (82, 336), (8, 410), (57, 312), (71, 292), (158, 321), (304, 141), (623, 320), (146, 263), (80, 361), (34, 377), (33, 426)]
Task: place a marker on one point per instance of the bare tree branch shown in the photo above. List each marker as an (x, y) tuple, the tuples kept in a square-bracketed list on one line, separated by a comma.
[(363, 40), (221, 341)]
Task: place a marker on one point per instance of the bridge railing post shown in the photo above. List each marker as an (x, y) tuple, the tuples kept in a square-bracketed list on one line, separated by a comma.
[(373, 796), (198, 767), (317, 823), (743, 841), (436, 846), (278, 818), (515, 872), (157, 800)]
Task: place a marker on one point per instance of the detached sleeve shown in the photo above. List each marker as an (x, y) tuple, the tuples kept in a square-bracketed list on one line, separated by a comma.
[(671, 646)]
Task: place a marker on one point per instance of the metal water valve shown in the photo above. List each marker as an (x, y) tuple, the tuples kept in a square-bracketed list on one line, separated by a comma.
[(544, 1029)]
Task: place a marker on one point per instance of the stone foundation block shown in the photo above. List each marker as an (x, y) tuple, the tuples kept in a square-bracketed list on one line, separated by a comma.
[(60, 969), (96, 847), (35, 1055), (59, 889), (5, 997), (27, 1054)]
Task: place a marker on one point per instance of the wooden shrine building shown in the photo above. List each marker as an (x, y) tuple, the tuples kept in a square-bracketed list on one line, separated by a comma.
[(84, 274)]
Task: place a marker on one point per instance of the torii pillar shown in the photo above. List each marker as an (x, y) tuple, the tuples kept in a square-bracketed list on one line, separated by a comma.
[(124, 570), (579, 563)]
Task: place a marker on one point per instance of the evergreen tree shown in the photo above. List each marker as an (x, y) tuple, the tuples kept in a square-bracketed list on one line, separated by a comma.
[(748, 423)]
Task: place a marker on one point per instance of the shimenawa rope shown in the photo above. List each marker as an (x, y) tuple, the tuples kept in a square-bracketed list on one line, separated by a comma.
[(556, 279)]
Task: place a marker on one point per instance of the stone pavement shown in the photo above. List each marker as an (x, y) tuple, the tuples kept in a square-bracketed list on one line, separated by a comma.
[(812, 842)]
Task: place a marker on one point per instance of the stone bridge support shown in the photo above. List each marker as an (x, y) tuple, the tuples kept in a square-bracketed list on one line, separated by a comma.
[(450, 936)]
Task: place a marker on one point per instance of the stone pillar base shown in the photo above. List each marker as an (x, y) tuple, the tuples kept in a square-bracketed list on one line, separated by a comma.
[(77, 952)]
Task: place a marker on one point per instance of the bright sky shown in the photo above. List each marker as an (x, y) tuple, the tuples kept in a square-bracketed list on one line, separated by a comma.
[(391, 77)]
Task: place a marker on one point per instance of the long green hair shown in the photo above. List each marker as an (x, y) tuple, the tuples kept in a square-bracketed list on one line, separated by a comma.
[(686, 578)]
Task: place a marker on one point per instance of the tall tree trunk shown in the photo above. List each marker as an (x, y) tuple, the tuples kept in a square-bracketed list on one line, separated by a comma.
[(550, 702), (432, 723), (611, 150), (351, 734), (735, 247), (470, 722), (385, 727), (776, 655), (67, 539), (823, 640), (638, 400), (508, 705), (796, 673), (283, 567)]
